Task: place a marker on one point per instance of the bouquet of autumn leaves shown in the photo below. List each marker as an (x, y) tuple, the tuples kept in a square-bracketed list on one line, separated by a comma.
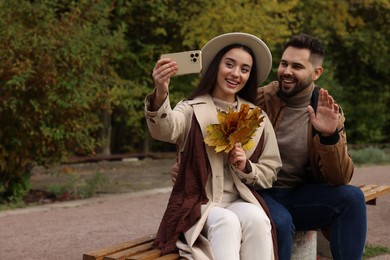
[(234, 127)]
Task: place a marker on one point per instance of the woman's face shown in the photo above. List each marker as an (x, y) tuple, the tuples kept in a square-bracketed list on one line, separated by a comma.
[(233, 73)]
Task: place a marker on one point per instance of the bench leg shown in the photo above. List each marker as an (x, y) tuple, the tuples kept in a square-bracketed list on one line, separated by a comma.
[(304, 245), (323, 246)]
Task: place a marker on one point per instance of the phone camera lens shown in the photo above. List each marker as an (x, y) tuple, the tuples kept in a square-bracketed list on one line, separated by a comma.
[(196, 54), (192, 55), (194, 59)]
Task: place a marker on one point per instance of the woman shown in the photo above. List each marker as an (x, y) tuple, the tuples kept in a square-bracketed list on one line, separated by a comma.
[(213, 212)]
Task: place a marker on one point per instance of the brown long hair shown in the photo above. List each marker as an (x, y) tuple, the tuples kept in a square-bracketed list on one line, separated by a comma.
[(209, 80)]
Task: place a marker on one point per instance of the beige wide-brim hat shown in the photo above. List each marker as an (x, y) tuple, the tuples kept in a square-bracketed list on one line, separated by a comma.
[(260, 49)]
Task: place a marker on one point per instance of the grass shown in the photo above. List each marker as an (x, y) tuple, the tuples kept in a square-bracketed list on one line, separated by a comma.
[(370, 155), (84, 180), (77, 187), (374, 250), (12, 205), (74, 187)]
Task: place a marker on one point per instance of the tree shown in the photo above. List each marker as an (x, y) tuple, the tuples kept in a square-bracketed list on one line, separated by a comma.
[(361, 55), (55, 79)]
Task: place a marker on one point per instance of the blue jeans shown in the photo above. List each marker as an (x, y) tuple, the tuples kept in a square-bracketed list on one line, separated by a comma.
[(314, 206)]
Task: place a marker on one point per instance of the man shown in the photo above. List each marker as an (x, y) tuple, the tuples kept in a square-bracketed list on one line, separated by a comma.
[(312, 190)]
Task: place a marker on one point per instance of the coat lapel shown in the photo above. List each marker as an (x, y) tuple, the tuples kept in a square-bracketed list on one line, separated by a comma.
[(206, 113)]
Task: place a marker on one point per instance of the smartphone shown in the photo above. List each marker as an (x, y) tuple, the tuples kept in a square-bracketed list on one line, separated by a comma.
[(188, 62)]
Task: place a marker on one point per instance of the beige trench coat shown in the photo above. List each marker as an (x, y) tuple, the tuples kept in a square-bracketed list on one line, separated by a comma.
[(173, 126)]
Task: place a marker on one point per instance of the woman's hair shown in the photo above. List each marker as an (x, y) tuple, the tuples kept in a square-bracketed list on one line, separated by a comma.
[(209, 80)]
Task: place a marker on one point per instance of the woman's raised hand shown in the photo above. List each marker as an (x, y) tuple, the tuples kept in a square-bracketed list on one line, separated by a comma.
[(162, 72)]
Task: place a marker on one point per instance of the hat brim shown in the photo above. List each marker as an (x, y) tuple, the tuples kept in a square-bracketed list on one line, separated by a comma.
[(260, 49)]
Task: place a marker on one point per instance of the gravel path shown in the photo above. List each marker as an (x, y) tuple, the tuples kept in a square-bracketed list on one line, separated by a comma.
[(67, 230)]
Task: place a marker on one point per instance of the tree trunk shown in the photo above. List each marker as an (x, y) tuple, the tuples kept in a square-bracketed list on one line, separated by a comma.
[(105, 134)]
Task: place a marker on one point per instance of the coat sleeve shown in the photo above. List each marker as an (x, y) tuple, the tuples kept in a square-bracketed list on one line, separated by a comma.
[(165, 124), (330, 156), (264, 171)]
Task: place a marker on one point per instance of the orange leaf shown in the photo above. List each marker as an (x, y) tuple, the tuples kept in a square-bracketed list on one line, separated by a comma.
[(234, 127)]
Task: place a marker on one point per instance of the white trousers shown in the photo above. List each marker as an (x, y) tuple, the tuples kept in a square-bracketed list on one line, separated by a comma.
[(241, 231)]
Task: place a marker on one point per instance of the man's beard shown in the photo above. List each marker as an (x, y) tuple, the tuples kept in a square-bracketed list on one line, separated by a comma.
[(299, 86)]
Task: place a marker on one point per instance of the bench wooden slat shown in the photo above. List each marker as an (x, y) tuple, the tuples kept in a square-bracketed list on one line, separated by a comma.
[(121, 255), (141, 248), (100, 253), (148, 255), (169, 257), (372, 192), (366, 187)]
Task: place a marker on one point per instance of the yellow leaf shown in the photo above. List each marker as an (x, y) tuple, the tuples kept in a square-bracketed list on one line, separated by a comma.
[(234, 127)]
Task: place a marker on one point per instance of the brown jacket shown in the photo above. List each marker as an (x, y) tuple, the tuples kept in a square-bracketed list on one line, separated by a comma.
[(328, 156)]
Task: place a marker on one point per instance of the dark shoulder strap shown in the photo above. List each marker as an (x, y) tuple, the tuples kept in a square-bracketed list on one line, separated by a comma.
[(314, 103), (314, 98)]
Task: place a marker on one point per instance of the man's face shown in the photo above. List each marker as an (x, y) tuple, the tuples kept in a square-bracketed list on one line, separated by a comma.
[(296, 72)]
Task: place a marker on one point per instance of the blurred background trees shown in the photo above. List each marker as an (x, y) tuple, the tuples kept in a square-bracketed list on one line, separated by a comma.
[(74, 74), (56, 76)]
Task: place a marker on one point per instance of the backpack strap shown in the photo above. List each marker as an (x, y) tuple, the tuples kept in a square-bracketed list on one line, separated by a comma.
[(314, 103)]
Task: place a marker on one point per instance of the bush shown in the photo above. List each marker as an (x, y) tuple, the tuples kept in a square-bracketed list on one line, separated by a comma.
[(374, 250), (77, 187), (55, 79), (370, 156)]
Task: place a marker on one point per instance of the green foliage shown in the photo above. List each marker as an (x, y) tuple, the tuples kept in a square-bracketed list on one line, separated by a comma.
[(373, 88), (77, 187), (359, 51), (12, 205), (152, 29), (55, 78), (369, 156), (16, 189), (374, 250)]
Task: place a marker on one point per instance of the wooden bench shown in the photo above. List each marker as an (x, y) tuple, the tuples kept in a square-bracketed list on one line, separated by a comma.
[(141, 248), (372, 192)]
